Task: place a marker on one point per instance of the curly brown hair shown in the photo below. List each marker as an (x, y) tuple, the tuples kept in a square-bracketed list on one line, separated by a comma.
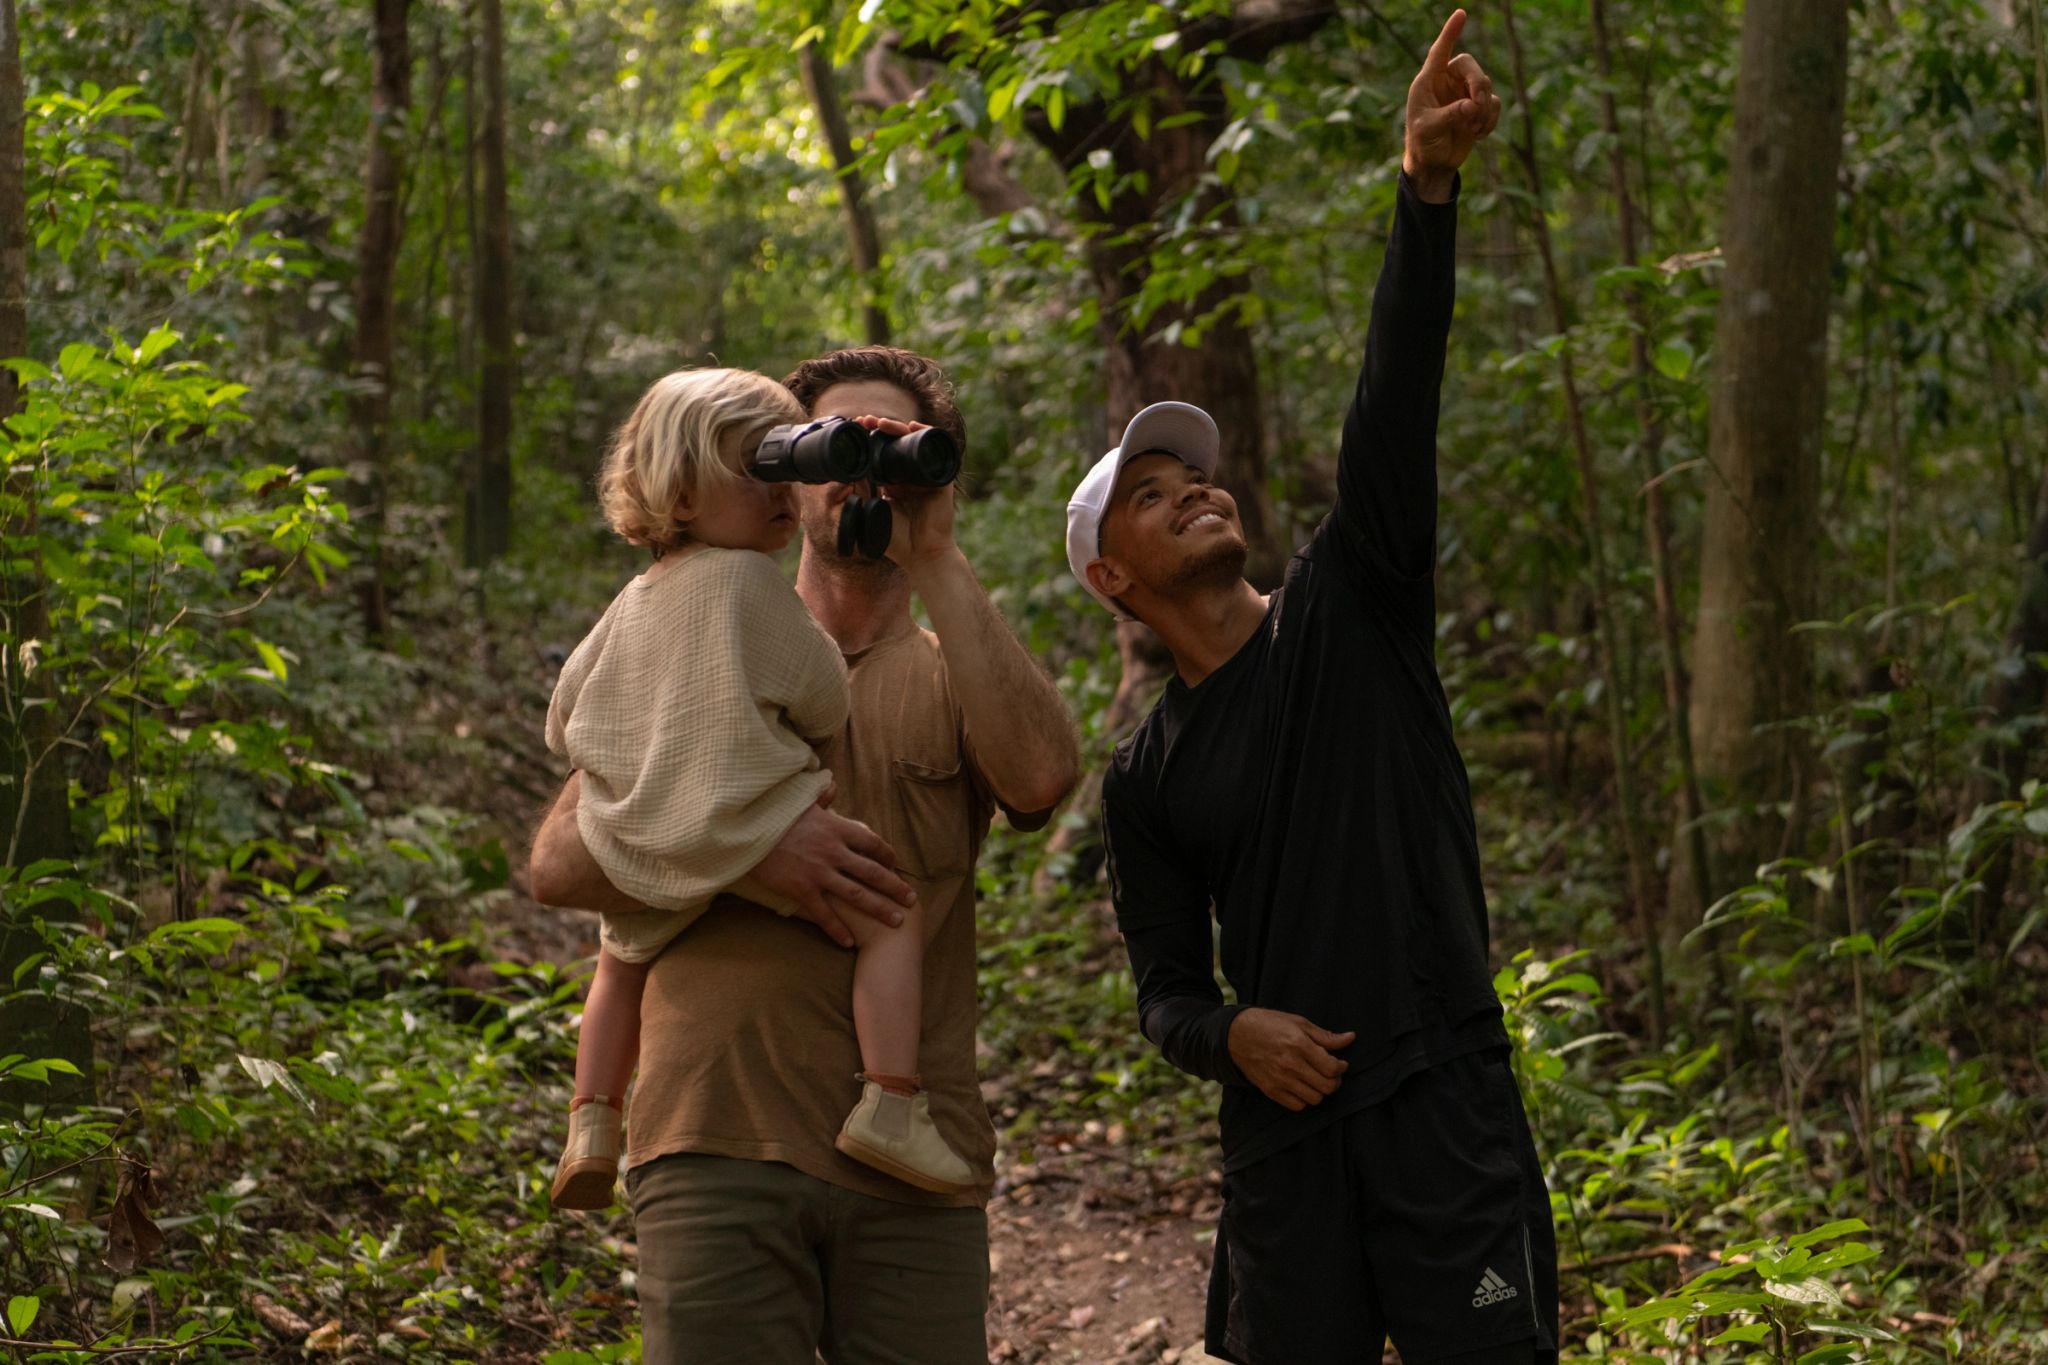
[(917, 375)]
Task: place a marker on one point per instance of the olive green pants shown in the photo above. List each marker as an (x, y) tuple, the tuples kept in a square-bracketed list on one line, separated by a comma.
[(756, 1263)]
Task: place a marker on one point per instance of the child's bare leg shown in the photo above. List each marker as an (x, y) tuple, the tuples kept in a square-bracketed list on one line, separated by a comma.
[(891, 1129), (606, 1050), (608, 1046), (888, 997)]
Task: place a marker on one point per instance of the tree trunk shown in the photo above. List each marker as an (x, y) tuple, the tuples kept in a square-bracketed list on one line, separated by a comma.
[(1757, 557), (370, 361), (34, 816), (861, 235), (35, 819), (490, 511)]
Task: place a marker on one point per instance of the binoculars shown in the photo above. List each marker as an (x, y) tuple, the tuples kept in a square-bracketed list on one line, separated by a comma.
[(836, 450)]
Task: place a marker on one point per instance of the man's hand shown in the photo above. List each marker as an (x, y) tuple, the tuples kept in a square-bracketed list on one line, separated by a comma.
[(1451, 105), (833, 867), (921, 529), (1287, 1057)]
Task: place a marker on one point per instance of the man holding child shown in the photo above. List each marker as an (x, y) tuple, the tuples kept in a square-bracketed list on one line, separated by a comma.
[(759, 1240)]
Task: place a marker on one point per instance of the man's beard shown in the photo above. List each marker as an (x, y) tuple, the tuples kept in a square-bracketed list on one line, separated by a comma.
[(1221, 563)]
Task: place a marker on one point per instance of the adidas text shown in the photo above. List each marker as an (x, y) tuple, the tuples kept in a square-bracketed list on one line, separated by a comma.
[(1492, 1289)]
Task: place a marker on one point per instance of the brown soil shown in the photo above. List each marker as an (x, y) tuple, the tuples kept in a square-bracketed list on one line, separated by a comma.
[(1100, 1256)]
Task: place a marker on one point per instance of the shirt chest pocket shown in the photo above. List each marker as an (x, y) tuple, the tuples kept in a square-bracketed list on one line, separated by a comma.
[(929, 817)]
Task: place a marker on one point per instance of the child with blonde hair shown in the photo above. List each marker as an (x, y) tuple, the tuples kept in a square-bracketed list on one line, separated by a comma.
[(691, 709)]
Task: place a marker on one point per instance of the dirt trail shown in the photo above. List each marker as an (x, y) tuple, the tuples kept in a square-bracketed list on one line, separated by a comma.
[(1099, 1260)]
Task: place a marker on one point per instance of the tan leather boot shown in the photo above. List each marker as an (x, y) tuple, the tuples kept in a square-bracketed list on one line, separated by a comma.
[(895, 1135), (590, 1163)]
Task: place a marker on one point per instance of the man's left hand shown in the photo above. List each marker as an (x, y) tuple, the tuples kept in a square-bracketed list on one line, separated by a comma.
[(922, 525), (1451, 106)]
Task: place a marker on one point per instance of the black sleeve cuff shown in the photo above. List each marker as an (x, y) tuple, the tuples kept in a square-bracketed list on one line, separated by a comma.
[(1408, 192), (1226, 1066)]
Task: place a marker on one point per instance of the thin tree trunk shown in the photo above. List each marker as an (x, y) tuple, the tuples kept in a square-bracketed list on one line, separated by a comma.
[(490, 518), (465, 328), (1605, 621), (34, 815), (370, 365), (35, 819), (1757, 554), (1692, 890), (861, 234)]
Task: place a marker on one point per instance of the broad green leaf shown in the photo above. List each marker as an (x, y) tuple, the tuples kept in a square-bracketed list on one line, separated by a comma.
[(1748, 1332), (21, 1313), (1809, 1290), (76, 358), (1674, 358), (1841, 1227), (159, 340)]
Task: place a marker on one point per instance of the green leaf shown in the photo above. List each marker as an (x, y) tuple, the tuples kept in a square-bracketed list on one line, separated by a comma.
[(1837, 1354), (1808, 1290), (1841, 1227), (272, 660), (1861, 1331), (1847, 1254), (1674, 358), (1750, 1332), (21, 1313), (156, 343), (999, 100), (76, 358)]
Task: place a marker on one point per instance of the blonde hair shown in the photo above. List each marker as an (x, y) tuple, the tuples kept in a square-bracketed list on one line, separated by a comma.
[(674, 444)]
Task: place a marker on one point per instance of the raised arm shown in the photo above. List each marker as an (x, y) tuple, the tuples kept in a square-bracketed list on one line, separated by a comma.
[(1023, 740), (1386, 464)]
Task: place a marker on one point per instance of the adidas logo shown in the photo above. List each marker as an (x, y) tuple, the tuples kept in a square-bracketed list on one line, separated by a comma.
[(1492, 1289)]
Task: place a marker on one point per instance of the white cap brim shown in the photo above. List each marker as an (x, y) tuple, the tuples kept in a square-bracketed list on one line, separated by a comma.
[(1180, 429)]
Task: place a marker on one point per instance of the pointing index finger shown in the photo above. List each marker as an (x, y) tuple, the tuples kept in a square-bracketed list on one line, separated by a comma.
[(1446, 42)]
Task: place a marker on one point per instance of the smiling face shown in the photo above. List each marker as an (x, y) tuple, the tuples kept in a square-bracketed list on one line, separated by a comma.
[(742, 513), (1167, 531)]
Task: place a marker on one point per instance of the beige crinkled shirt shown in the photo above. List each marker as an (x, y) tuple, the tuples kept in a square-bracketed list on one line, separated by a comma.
[(691, 709)]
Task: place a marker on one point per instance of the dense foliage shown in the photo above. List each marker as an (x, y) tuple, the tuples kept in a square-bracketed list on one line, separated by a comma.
[(285, 1046)]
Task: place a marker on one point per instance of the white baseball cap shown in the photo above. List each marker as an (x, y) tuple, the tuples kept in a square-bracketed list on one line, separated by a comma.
[(1178, 429)]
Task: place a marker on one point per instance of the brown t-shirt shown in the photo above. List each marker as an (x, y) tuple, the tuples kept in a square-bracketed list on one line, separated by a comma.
[(747, 1046)]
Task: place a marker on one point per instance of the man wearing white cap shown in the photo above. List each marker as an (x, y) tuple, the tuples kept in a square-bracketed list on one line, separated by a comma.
[(1300, 775)]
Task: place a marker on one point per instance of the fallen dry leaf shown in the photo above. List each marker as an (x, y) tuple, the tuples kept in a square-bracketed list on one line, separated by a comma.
[(132, 1239), (279, 1318)]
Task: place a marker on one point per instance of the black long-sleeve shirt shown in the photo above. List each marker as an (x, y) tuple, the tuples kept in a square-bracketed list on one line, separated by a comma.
[(1311, 789)]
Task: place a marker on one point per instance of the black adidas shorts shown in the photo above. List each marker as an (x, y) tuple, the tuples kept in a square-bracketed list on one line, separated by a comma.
[(1423, 1218)]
